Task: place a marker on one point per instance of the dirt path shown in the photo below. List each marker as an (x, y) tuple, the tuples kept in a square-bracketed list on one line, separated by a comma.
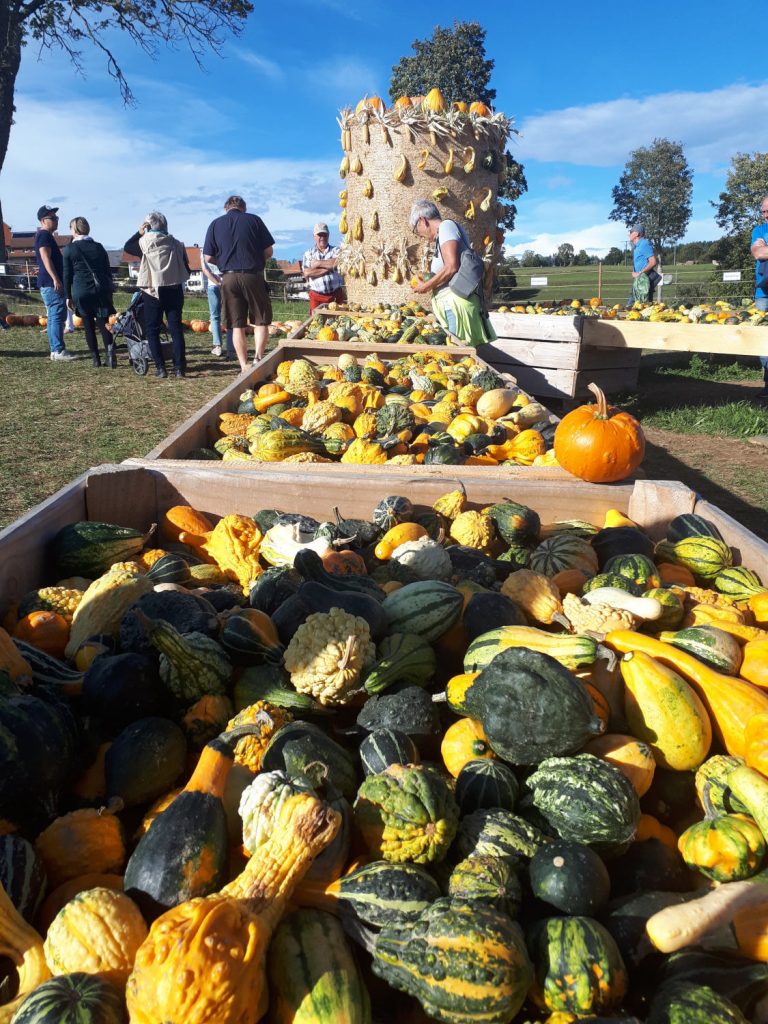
[(732, 474)]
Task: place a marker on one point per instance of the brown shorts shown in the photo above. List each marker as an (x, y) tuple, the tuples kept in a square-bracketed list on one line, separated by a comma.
[(245, 300)]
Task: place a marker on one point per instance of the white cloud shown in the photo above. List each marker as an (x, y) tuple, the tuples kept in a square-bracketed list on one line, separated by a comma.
[(269, 68), (711, 126), (113, 174)]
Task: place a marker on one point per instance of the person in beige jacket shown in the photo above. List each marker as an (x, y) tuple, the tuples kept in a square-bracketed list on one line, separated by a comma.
[(162, 272)]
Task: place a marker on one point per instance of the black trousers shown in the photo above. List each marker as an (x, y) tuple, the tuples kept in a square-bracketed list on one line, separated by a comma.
[(169, 301)]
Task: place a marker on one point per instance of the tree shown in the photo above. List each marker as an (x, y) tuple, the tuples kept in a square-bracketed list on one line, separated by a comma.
[(564, 255), (581, 259), (745, 186), (655, 190), (614, 257), (454, 61), (54, 25)]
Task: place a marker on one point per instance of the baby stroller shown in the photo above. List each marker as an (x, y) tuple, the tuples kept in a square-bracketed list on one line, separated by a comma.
[(130, 326)]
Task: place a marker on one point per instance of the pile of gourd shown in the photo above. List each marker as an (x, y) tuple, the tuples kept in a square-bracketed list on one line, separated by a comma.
[(405, 324), (423, 408), (447, 754), (720, 312)]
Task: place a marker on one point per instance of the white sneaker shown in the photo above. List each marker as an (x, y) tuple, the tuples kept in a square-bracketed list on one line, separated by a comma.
[(69, 330), (63, 356), (216, 350)]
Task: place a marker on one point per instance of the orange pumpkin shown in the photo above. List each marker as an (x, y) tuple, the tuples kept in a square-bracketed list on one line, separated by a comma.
[(758, 605), (48, 631), (11, 319), (480, 109), (403, 101), (77, 321), (344, 563), (461, 106), (599, 443), (42, 321), (32, 320)]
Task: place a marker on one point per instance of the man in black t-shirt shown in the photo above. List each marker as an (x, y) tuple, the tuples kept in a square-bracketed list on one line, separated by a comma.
[(240, 244), (50, 275)]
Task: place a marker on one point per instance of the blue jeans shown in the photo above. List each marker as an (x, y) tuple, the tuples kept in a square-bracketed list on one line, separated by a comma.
[(762, 305), (214, 308), (56, 310)]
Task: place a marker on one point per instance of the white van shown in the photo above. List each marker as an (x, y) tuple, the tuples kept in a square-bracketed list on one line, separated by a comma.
[(195, 283)]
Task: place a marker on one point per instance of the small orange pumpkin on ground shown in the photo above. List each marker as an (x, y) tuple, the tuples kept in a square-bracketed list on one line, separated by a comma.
[(344, 563)]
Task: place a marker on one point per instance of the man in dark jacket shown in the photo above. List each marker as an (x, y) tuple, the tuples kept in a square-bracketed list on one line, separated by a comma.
[(50, 277), (240, 244)]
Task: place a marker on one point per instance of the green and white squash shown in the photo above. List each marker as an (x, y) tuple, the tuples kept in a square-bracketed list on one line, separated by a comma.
[(427, 608), (485, 783), (564, 551), (496, 833), (384, 747), (489, 880), (401, 657), (77, 998)]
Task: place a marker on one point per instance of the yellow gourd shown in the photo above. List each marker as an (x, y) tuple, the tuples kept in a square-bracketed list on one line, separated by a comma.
[(464, 741), (536, 594), (403, 533)]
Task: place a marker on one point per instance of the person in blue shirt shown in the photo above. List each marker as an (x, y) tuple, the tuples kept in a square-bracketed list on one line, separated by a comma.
[(759, 250), (643, 262)]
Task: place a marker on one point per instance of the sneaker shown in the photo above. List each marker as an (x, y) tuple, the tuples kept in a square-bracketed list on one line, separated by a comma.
[(63, 356), (69, 330), (216, 350), (161, 372)]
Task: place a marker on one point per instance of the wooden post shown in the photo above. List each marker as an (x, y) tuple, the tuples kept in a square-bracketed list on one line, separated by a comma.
[(600, 280)]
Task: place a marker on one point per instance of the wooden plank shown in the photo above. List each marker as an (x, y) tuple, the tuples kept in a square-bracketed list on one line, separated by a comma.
[(23, 545), (538, 328), (193, 432), (748, 549), (612, 382), (609, 358), (530, 352), (723, 339), (654, 503)]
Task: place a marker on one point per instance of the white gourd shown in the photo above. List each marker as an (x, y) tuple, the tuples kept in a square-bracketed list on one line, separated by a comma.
[(428, 559)]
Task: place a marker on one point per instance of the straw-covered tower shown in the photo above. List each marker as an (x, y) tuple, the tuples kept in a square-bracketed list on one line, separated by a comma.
[(418, 149)]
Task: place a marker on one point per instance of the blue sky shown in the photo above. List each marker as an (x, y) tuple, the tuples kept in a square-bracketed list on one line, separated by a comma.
[(585, 84)]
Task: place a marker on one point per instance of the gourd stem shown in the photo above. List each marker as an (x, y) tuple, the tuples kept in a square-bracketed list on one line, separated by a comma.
[(602, 404)]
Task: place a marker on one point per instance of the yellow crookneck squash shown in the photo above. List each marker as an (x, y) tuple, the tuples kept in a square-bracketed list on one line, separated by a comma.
[(205, 960)]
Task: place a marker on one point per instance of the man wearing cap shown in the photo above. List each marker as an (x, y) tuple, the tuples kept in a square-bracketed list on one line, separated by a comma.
[(319, 267), (643, 262), (240, 244), (50, 275)]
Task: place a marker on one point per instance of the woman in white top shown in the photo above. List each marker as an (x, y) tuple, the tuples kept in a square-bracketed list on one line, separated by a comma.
[(460, 317)]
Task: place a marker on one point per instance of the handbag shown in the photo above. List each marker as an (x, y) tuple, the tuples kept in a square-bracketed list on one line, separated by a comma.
[(468, 279), (97, 283)]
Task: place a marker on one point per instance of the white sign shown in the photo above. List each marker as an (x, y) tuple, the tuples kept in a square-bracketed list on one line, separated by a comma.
[(538, 282), (732, 275), (666, 279)]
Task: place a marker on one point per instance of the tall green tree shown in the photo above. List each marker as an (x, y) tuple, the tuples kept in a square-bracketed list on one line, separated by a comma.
[(745, 185), (454, 61), (655, 190), (564, 255), (57, 26)]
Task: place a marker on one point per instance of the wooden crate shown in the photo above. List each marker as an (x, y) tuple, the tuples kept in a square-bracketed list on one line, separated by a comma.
[(715, 339), (138, 495), (550, 357), (196, 431)]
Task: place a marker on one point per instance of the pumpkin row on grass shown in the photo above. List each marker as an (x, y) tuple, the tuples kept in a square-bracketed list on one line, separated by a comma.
[(400, 713)]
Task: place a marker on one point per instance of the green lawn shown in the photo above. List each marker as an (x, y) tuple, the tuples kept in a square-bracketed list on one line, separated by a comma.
[(61, 418)]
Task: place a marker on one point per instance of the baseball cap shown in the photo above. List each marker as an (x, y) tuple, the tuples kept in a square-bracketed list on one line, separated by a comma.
[(321, 229), (46, 211), (636, 228)]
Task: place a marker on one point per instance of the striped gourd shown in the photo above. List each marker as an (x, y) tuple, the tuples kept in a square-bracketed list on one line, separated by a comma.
[(378, 894), (249, 638), (694, 1004), (384, 747), (578, 966), (401, 657), (572, 651), (313, 976), (672, 609), (564, 551), (90, 548), (739, 583), (427, 608), (712, 788), (76, 998), (638, 569), (276, 445), (49, 671), (485, 879), (728, 848), (496, 833), (464, 962), (22, 874), (709, 644), (586, 799), (705, 557), (169, 569), (691, 525), (485, 783)]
